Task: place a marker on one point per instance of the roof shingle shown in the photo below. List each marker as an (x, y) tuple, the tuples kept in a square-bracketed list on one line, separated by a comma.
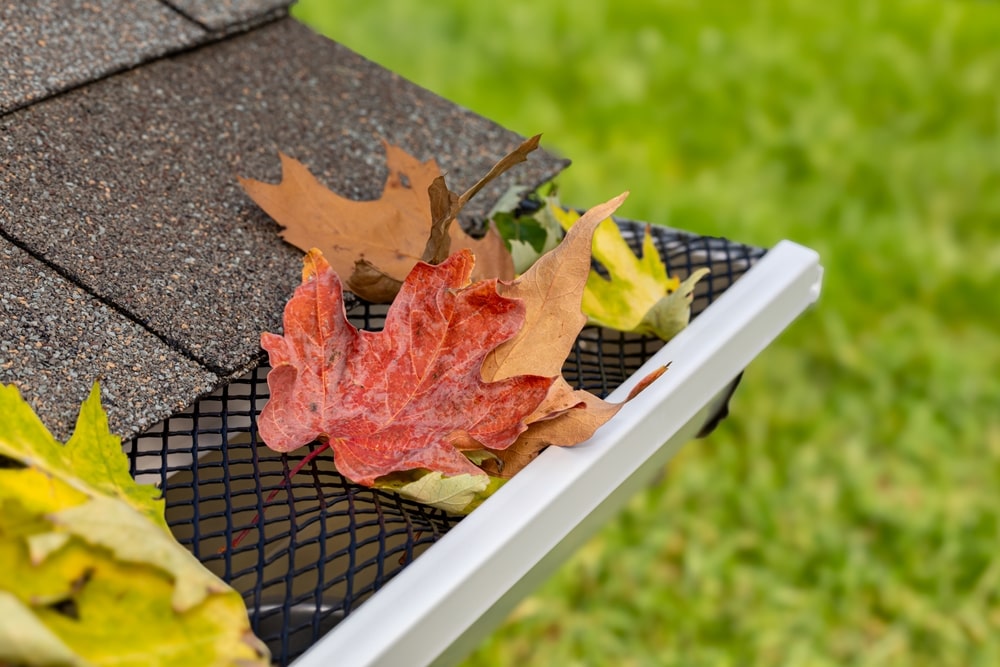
[(128, 186), (221, 14), (55, 340), (48, 46)]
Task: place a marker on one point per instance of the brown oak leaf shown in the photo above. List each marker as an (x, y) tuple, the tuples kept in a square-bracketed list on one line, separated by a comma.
[(376, 243), (552, 290), (408, 397)]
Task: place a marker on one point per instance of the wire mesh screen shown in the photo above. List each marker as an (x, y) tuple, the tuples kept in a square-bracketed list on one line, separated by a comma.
[(321, 545)]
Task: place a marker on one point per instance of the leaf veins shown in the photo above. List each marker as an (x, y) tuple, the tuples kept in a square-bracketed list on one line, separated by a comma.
[(410, 396)]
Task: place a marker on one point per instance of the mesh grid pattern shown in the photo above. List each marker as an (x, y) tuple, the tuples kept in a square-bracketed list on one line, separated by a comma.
[(322, 545)]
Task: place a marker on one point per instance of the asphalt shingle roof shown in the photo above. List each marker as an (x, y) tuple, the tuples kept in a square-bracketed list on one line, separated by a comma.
[(224, 14), (49, 46), (56, 339), (120, 195)]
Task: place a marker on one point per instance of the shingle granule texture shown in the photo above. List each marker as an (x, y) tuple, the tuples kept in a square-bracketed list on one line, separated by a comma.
[(129, 184), (221, 14), (47, 46), (55, 340)]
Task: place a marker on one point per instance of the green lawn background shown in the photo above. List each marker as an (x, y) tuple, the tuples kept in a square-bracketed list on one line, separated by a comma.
[(848, 513)]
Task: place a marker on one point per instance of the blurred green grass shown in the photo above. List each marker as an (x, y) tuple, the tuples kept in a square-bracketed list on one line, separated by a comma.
[(848, 513)]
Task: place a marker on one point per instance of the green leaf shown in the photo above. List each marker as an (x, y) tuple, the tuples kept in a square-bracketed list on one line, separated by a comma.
[(528, 236), (524, 229), (638, 296)]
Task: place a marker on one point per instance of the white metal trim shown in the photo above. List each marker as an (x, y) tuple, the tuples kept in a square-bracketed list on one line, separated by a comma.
[(442, 595)]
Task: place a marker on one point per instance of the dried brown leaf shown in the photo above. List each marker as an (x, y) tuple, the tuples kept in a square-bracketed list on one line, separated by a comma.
[(377, 242), (552, 290), (567, 428)]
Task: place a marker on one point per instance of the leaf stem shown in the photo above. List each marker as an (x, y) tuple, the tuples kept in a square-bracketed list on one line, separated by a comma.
[(298, 467)]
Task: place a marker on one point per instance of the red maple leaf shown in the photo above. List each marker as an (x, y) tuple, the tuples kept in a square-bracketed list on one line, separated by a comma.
[(411, 396)]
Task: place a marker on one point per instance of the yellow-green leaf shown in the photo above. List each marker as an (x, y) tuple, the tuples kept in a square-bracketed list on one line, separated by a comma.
[(91, 575), (92, 460), (459, 494), (124, 617), (113, 525), (37, 576), (26, 640), (42, 545), (95, 454), (494, 484), (39, 491), (673, 312), (638, 296)]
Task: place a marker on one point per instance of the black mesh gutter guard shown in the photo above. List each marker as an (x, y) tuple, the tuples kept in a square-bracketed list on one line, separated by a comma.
[(323, 546)]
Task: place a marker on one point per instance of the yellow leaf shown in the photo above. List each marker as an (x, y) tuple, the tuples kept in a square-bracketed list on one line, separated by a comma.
[(91, 574), (123, 617), (38, 490), (638, 296), (551, 290), (108, 523), (25, 640), (41, 576), (94, 454), (91, 462)]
